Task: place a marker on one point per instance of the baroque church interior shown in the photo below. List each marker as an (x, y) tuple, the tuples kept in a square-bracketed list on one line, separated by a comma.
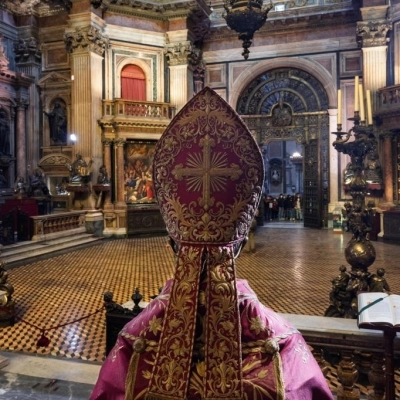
[(89, 86)]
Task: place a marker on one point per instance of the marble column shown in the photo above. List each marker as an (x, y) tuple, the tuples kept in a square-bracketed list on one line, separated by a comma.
[(21, 139), (28, 60), (107, 162), (119, 173)]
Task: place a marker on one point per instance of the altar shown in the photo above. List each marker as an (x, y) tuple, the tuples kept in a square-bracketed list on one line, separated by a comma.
[(144, 218)]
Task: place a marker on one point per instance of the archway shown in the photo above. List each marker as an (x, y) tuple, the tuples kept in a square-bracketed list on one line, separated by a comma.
[(290, 104)]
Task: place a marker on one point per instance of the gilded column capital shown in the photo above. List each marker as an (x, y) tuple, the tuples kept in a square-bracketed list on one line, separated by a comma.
[(119, 142), (90, 38), (107, 142), (27, 50), (373, 33), (182, 53)]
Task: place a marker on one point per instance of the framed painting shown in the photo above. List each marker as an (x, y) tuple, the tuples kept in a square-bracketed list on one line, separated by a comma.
[(138, 165)]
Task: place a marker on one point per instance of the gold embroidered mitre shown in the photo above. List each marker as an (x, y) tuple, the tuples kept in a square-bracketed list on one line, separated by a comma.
[(208, 175)]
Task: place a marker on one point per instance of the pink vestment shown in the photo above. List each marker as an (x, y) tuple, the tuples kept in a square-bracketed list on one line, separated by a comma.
[(301, 377)]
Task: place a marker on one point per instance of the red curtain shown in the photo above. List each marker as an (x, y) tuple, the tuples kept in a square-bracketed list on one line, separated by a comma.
[(133, 83)]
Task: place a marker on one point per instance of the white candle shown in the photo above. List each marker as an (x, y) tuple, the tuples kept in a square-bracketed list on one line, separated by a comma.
[(356, 102), (369, 107), (361, 98), (339, 107)]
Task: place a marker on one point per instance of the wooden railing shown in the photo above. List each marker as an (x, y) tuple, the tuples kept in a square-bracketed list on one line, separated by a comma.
[(129, 108), (46, 226)]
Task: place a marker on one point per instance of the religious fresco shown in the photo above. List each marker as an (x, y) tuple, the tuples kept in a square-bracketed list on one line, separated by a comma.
[(138, 172)]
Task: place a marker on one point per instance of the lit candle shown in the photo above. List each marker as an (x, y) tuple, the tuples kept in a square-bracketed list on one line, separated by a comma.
[(361, 98), (339, 107), (356, 102), (369, 107)]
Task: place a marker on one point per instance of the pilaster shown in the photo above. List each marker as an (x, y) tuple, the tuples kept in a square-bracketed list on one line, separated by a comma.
[(182, 56), (86, 43), (372, 34)]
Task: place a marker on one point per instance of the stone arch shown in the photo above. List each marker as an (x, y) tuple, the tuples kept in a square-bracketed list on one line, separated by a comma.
[(145, 67), (309, 66), (287, 102)]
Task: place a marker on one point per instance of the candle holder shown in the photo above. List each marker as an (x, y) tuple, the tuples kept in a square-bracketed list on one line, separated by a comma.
[(359, 252)]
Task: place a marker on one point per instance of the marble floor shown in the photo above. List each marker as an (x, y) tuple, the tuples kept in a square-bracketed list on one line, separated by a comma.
[(62, 298)]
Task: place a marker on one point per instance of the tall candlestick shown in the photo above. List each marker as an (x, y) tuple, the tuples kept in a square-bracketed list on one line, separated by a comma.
[(356, 89), (361, 98), (369, 108), (339, 107)]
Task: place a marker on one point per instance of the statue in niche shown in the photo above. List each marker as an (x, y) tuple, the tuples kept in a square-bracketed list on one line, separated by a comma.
[(58, 124), (4, 134), (281, 114)]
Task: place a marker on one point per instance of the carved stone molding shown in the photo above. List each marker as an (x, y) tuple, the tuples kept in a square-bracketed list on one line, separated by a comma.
[(373, 33), (27, 50), (37, 7), (86, 39)]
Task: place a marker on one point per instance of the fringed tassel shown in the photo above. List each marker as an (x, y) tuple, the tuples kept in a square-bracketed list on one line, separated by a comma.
[(43, 341), (131, 376)]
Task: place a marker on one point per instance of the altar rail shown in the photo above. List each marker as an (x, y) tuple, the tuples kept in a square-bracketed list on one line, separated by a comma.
[(147, 109), (47, 226)]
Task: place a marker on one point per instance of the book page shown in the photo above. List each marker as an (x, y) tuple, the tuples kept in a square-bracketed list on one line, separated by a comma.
[(395, 302), (380, 312)]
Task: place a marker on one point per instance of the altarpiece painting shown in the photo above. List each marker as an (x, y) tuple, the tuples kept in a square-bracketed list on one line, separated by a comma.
[(138, 172)]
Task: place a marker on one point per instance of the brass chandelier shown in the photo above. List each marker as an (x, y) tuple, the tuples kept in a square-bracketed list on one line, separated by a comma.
[(245, 17)]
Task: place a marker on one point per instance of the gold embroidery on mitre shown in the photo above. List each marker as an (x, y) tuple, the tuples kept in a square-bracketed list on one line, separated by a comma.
[(207, 172), (217, 155)]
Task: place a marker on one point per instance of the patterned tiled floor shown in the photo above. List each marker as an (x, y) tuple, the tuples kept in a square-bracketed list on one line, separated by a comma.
[(290, 271)]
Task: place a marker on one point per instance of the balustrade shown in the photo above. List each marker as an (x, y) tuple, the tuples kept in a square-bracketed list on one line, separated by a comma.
[(129, 108), (44, 226)]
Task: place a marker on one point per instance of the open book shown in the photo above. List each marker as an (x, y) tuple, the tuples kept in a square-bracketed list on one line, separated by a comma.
[(376, 308)]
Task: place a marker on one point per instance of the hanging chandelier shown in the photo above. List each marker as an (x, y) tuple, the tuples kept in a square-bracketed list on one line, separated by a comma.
[(245, 17)]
